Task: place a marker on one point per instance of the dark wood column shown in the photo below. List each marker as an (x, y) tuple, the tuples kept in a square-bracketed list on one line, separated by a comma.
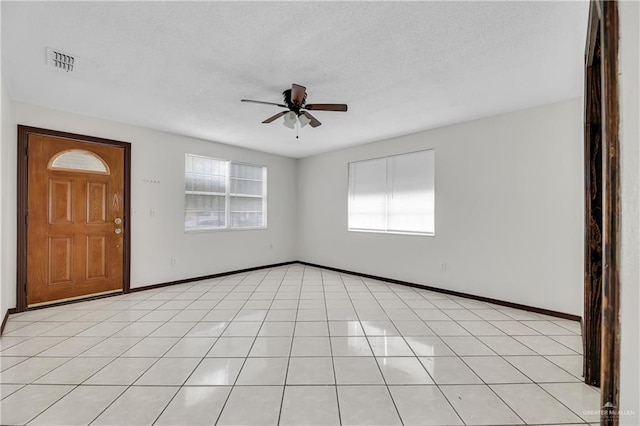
[(601, 329), (593, 208), (610, 361), (593, 223)]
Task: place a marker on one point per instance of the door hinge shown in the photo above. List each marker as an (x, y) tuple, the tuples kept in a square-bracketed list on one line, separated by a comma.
[(26, 151), (26, 218)]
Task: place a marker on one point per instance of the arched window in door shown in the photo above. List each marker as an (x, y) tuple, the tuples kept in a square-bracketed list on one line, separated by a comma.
[(78, 160)]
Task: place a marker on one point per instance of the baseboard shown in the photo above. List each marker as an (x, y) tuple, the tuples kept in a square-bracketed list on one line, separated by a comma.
[(543, 311), (534, 309), (149, 287), (6, 318), (209, 277), (71, 301)]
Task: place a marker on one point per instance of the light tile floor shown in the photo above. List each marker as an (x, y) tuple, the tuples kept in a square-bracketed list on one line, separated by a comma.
[(291, 345)]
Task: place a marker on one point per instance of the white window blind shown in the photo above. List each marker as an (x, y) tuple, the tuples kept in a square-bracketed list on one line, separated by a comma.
[(246, 197), (393, 194), (368, 195), (222, 194)]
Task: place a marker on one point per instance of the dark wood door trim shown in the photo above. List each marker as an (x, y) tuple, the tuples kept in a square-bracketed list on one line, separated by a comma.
[(23, 162), (604, 26), (593, 149), (610, 361)]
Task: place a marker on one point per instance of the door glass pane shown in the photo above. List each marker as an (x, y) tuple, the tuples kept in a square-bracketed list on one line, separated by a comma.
[(80, 160)]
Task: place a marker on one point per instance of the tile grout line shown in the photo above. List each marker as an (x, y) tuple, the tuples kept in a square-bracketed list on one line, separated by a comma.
[(333, 365), (537, 383), (129, 386), (161, 356), (418, 358), (517, 369), (462, 360), (293, 336), (104, 338), (250, 348), (52, 404), (369, 286), (384, 379)]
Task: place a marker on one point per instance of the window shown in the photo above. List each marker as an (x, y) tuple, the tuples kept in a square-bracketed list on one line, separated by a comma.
[(80, 160), (393, 194), (221, 194)]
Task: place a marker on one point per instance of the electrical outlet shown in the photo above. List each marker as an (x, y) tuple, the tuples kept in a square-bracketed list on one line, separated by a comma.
[(443, 266), (174, 261)]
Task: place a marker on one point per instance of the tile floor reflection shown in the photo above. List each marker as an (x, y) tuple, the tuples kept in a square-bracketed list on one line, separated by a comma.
[(291, 345)]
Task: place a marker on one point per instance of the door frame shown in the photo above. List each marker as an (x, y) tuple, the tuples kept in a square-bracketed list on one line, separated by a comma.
[(603, 20), (23, 164), (593, 177)]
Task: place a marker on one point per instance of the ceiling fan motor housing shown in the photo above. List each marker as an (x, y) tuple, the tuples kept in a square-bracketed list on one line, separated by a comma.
[(292, 104)]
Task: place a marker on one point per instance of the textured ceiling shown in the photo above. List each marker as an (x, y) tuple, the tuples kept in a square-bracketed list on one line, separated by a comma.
[(402, 67)]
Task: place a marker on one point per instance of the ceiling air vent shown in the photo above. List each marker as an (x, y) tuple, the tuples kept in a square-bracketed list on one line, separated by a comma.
[(60, 60)]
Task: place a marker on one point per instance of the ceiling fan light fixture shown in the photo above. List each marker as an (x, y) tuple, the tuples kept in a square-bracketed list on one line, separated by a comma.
[(290, 120), (295, 100), (303, 120)]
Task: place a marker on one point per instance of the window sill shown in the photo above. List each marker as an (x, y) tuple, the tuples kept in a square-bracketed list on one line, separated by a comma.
[(199, 231), (370, 231)]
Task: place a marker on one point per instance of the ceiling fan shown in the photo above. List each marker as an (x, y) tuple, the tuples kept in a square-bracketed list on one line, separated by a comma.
[(295, 100)]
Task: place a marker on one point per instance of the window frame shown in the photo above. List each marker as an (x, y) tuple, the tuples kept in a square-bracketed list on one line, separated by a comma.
[(387, 180), (227, 196)]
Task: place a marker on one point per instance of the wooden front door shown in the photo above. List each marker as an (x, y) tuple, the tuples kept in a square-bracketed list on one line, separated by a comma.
[(75, 218)]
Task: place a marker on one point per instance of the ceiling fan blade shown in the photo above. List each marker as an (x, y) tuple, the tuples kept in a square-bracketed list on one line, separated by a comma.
[(326, 107), (297, 93), (274, 117), (263, 102), (314, 121)]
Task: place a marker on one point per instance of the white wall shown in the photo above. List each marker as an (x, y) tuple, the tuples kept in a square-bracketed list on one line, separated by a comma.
[(630, 197), (509, 210), (506, 228), (155, 240), (7, 263)]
